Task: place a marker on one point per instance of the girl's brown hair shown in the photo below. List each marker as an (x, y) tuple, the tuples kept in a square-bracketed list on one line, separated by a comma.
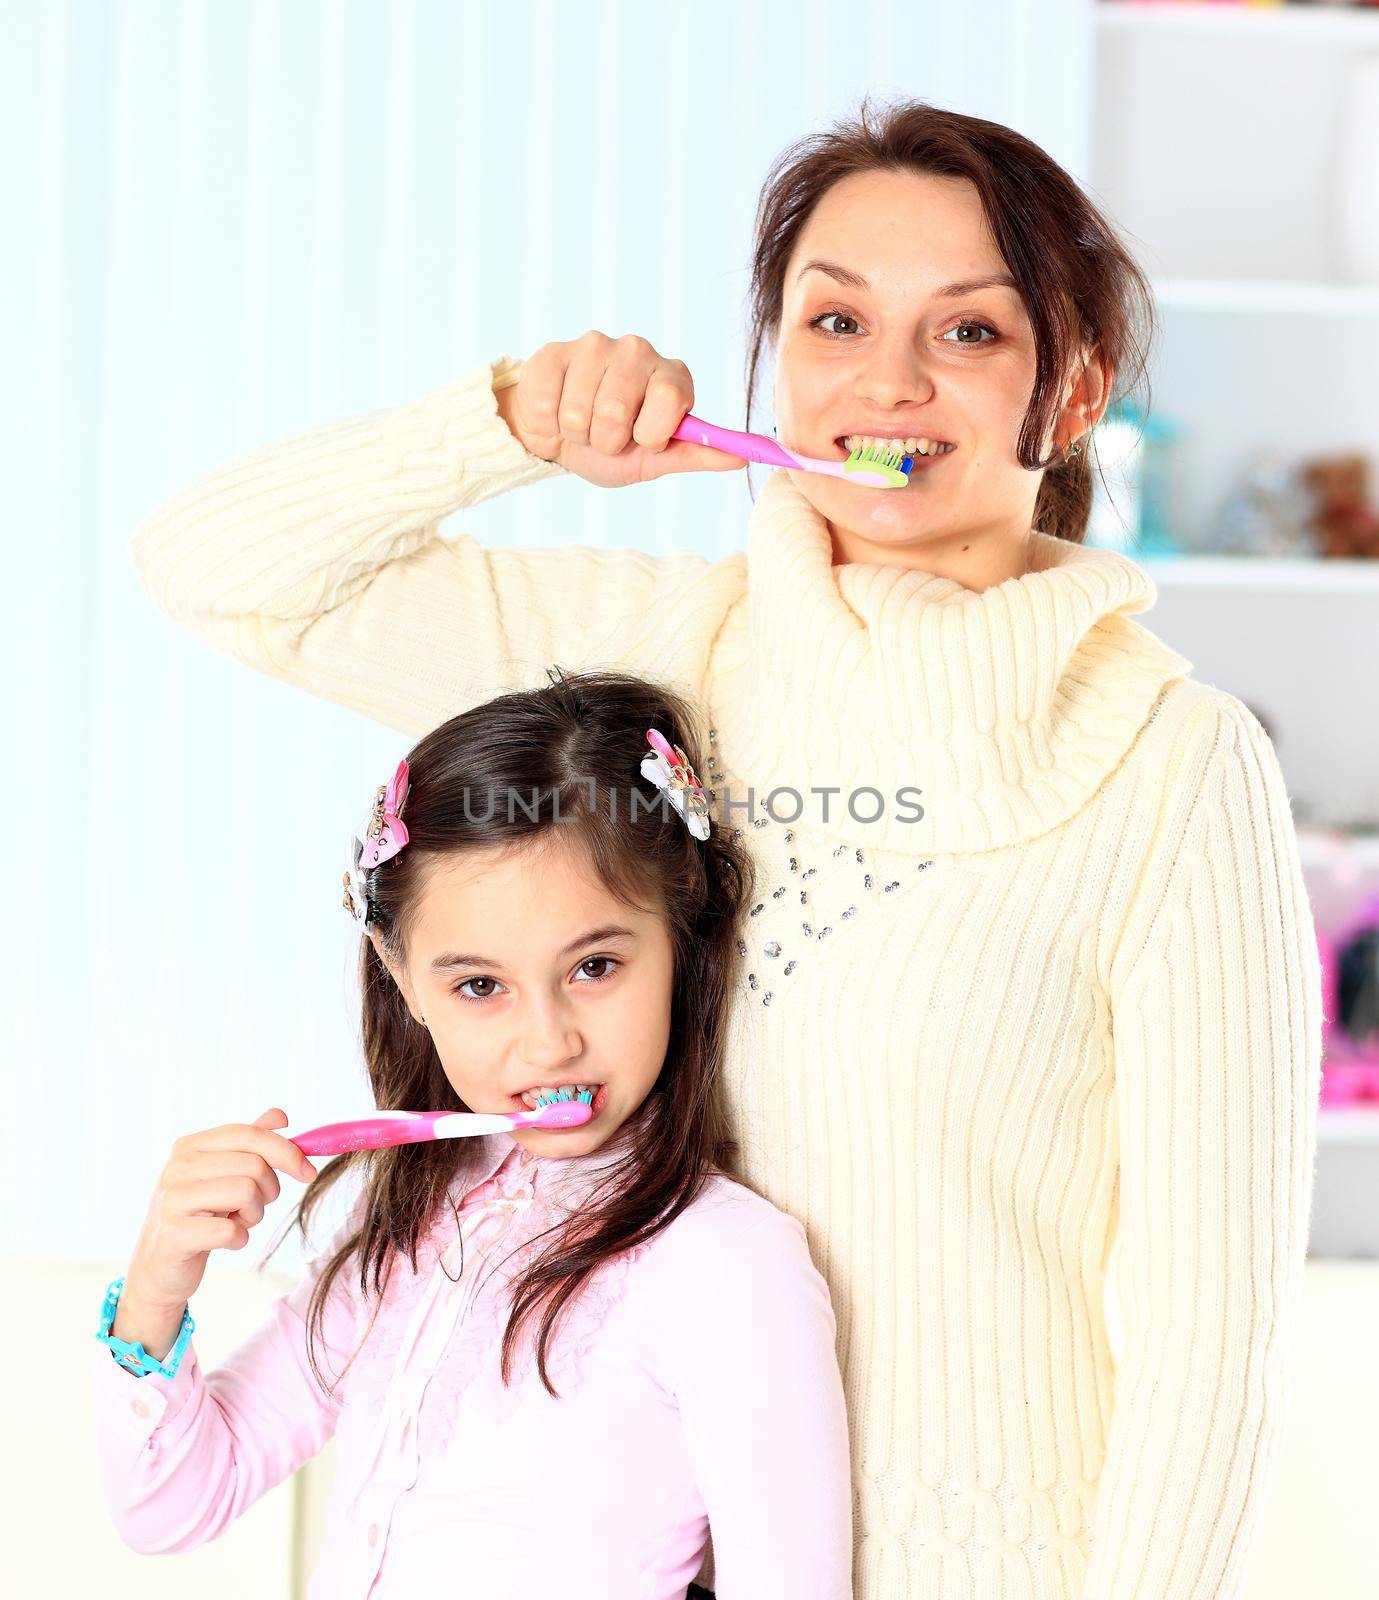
[(568, 757), (1080, 285)]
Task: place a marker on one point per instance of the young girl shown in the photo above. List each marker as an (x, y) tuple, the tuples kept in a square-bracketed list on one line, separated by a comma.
[(549, 1359)]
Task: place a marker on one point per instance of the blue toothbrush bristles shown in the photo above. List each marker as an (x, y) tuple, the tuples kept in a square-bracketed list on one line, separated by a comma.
[(567, 1093)]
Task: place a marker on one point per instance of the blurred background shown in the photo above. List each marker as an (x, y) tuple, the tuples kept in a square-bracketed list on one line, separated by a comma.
[(226, 223)]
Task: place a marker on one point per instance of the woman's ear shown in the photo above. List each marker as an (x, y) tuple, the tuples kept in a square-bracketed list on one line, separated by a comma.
[(1086, 397)]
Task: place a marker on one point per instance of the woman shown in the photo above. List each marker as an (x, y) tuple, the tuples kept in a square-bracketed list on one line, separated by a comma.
[(1057, 991)]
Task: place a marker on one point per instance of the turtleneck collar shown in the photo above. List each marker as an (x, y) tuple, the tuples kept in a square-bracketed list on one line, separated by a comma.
[(1005, 707)]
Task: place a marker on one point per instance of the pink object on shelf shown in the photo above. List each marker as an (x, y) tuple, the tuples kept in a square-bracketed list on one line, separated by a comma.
[(1350, 1067)]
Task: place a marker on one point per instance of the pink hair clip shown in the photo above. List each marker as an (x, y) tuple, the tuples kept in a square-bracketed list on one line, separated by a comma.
[(668, 768), (385, 832)]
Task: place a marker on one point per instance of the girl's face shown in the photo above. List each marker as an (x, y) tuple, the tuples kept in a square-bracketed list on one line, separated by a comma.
[(934, 344), (530, 975)]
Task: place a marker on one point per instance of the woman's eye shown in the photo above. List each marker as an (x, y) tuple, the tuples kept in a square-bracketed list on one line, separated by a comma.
[(463, 986), (969, 325), (823, 316), (964, 329)]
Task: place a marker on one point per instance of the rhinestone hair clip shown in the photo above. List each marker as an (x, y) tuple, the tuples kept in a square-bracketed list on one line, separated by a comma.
[(383, 834), (668, 767)]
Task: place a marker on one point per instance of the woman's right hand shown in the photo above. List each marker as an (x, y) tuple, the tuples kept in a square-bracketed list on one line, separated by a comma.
[(213, 1190), (605, 409)]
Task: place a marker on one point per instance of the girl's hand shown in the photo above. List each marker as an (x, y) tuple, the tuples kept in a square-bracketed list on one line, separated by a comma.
[(605, 409), (212, 1191)]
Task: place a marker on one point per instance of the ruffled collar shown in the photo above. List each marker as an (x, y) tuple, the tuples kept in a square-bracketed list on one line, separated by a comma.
[(446, 1314), (560, 1184), (1006, 708)]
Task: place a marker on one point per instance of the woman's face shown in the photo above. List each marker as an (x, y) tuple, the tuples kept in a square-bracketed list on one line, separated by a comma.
[(532, 976), (935, 344)]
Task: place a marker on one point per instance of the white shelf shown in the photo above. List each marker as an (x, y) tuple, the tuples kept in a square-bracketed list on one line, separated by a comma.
[(1353, 1126), (1319, 575), (1259, 296), (1324, 847), (1328, 24)]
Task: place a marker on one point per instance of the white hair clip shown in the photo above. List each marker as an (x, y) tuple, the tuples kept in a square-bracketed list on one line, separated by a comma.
[(667, 766)]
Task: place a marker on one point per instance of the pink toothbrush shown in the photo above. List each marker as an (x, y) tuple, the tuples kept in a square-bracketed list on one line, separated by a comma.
[(875, 469), (386, 1128)]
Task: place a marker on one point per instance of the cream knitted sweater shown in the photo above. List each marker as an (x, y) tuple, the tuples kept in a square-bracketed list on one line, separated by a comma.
[(1076, 1003)]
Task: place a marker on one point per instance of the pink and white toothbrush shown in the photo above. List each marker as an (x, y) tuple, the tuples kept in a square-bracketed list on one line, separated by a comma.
[(386, 1128), (876, 469)]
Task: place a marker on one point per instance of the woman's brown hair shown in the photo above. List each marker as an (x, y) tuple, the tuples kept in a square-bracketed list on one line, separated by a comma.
[(1080, 285), (565, 756)]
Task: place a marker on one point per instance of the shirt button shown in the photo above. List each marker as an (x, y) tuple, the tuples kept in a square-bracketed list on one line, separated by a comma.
[(139, 1408), (373, 1534)]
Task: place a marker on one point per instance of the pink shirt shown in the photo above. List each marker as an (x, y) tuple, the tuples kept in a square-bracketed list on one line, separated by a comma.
[(699, 1385)]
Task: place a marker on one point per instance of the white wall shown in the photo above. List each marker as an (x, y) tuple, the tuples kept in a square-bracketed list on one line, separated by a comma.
[(226, 223), (1306, 661), (1222, 142)]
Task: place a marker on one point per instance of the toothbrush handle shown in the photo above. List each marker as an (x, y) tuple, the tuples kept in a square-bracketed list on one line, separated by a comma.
[(749, 446), (386, 1128), (368, 1133)]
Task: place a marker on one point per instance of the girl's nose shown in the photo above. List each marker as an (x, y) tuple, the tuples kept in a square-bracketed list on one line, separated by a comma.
[(548, 1040)]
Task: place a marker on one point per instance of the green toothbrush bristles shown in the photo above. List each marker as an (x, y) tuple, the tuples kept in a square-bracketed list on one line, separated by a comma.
[(587, 1098), (894, 465)]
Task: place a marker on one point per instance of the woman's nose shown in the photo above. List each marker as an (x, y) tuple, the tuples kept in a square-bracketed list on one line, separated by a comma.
[(897, 374)]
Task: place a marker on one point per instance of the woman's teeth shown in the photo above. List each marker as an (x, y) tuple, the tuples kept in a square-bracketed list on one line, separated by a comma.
[(909, 447), (536, 1098)]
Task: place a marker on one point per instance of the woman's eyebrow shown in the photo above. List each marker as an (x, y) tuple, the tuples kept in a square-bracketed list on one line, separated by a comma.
[(950, 291), (594, 936)]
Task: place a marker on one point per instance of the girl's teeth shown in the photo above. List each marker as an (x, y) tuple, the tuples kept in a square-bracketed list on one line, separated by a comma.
[(536, 1098)]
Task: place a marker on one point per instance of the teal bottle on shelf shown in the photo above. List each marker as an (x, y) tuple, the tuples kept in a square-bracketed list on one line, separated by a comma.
[(1134, 481), (1159, 533)]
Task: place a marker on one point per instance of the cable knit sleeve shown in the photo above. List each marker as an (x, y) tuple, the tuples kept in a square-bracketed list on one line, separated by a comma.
[(181, 1458), (318, 560), (1216, 1028)]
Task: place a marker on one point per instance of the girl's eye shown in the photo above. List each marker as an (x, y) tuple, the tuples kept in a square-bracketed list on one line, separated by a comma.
[(604, 961), (464, 984), (589, 961)]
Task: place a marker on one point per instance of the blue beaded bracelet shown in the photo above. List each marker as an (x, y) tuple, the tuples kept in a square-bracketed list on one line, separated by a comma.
[(133, 1357)]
